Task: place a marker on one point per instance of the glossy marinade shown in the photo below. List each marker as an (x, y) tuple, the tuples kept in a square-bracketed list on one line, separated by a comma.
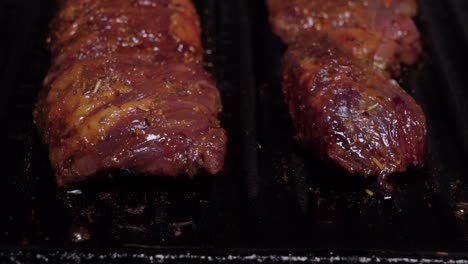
[(127, 91)]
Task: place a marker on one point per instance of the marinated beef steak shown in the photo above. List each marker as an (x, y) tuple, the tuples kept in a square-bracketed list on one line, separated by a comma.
[(338, 86), (127, 90)]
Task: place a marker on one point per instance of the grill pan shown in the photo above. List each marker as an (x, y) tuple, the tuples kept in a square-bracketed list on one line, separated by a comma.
[(273, 202)]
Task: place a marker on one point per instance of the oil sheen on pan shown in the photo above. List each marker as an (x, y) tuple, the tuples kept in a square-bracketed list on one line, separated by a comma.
[(127, 91), (337, 81)]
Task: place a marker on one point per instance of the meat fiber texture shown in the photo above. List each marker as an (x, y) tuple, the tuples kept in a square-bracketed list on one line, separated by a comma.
[(338, 86), (127, 91)]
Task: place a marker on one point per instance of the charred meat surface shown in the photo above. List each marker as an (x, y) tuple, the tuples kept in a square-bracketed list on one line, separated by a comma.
[(378, 30), (338, 86), (127, 91)]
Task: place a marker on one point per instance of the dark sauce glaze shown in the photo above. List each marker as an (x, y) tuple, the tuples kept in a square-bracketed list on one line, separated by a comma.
[(127, 91)]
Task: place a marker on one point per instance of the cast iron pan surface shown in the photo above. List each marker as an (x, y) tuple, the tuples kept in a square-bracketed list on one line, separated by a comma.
[(273, 202)]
